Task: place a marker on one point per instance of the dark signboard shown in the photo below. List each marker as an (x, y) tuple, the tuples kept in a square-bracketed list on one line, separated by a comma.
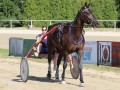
[(104, 53), (116, 54)]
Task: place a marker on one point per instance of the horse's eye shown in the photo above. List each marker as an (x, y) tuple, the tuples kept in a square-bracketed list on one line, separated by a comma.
[(86, 11)]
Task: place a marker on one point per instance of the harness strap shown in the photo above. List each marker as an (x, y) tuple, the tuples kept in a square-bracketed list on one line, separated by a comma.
[(60, 32), (71, 35)]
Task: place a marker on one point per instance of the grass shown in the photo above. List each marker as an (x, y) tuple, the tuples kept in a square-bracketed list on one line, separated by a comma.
[(4, 53), (102, 68)]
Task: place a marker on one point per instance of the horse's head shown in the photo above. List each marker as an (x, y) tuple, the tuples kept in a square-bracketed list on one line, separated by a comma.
[(87, 16)]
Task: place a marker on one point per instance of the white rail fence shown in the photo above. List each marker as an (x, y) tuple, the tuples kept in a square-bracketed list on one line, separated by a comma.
[(51, 21)]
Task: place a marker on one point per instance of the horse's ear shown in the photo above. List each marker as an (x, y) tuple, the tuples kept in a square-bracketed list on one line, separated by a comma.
[(88, 5), (85, 4)]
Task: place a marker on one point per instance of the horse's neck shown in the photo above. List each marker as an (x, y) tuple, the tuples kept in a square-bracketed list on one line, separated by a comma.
[(77, 27)]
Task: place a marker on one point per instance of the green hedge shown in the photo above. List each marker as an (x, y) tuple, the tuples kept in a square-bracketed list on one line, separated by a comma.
[(56, 10)]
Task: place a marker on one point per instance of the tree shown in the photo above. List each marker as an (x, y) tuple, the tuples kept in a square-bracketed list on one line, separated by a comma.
[(109, 12), (118, 8), (9, 11), (57, 9), (104, 10)]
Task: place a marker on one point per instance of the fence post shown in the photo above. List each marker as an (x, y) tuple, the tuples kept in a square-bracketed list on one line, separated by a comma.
[(50, 22), (31, 24), (115, 26), (10, 23), (92, 29)]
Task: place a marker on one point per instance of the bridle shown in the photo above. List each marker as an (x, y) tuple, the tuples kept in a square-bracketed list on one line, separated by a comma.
[(84, 15)]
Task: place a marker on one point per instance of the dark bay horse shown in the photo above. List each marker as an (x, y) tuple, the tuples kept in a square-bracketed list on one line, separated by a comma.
[(68, 38)]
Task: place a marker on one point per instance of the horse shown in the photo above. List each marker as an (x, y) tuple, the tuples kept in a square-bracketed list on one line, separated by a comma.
[(69, 38)]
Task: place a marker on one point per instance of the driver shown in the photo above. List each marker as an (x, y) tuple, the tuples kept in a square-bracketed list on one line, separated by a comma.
[(42, 46)]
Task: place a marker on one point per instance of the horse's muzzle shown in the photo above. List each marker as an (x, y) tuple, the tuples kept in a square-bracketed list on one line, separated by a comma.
[(95, 23)]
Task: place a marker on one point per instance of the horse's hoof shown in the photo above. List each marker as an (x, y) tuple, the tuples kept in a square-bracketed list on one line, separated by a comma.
[(63, 82), (48, 76), (81, 84), (57, 80)]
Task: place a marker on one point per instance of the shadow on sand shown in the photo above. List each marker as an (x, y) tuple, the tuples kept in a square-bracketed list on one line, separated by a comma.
[(42, 79)]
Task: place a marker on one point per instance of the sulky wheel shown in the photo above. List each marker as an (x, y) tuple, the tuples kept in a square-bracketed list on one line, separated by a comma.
[(75, 70), (24, 69)]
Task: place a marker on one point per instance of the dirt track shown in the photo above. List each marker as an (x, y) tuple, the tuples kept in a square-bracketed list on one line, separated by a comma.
[(9, 78)]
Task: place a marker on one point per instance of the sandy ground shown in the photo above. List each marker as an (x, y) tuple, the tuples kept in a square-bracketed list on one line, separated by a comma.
[(94, 80)]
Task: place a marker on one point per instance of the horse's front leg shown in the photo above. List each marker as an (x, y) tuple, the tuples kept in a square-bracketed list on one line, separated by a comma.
[(49, 66), (64, 67), (80, 52), (57, 70)]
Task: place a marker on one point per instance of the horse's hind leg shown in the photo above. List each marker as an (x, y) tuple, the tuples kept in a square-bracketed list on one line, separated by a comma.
[(64, 67), (57, 70), (49, 66)]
